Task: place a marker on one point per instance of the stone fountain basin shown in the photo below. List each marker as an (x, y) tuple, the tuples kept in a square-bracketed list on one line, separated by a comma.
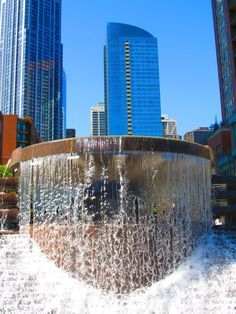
[(126, 247), (8, 198), (8, 182)]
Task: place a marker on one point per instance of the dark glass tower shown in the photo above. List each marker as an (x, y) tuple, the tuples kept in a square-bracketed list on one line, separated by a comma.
[(31, 63), (64, 102), (132, 92), (224, 12), (223, 140)]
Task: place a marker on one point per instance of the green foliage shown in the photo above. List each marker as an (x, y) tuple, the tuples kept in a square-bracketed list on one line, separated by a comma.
[(6, 171)]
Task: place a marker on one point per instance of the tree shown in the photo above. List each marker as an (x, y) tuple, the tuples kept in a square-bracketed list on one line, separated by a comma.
[(215, 126), (5, 171)]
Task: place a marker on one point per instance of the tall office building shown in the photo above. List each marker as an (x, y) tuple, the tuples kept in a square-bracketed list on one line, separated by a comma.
[(224, 13), (132, 91), (31, 63), (225, 31), (98, 120), (64, 102)]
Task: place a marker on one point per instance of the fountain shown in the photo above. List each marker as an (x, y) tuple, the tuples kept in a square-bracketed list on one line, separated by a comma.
[(119, 213)]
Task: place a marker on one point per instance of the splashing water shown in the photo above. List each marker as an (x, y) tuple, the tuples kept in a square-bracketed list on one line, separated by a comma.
[(3, 220), (93, 215), (205, 283)]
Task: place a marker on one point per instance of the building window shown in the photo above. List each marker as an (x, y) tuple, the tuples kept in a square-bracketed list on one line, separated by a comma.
[(234, 133), (21, 127)]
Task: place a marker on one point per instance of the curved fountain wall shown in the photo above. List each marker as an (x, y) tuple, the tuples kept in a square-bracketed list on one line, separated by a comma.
[(93, 200)]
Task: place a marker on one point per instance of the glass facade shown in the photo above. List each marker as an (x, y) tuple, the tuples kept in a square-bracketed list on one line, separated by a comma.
[(64, 103), (70, 133), (225, 29), (31, 57), (132, 91), (224, 13)]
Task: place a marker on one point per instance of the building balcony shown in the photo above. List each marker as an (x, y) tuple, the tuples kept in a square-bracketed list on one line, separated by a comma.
[(232, 119), (233, 18), (223, 161), (233, 152), (232, 4), (233, 36)]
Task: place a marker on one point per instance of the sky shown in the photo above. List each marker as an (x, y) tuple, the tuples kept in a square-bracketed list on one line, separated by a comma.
[(187, 56)]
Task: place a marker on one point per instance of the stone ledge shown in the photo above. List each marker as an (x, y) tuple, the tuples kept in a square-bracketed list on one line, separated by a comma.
[(111, 144)]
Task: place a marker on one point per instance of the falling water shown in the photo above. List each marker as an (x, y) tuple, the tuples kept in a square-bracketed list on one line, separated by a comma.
[(93, 212)]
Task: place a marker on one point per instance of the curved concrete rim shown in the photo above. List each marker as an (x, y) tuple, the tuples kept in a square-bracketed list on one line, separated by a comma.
[(108, 144)]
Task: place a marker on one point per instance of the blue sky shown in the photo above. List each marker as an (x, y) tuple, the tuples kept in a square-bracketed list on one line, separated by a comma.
[(187, 57)]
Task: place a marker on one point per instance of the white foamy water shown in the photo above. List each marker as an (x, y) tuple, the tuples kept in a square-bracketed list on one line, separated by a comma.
[(205, 283)]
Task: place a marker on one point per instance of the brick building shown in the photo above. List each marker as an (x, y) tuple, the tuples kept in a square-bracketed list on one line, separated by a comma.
[(221, 142), (15, 132)]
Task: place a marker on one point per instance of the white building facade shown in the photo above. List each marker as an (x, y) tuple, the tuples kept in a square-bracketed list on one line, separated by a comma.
[(169, 127), (98, 120)]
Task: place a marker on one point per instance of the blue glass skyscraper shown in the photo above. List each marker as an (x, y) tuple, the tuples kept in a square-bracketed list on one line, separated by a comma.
[(31, 63), (64, 102), (132, 90)]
